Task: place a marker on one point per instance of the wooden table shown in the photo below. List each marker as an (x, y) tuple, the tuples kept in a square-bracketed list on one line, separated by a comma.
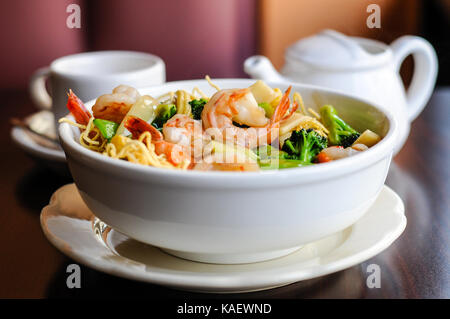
[(417, 265)]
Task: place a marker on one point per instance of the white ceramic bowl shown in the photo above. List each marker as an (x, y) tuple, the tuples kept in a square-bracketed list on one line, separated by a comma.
[(232, 217)]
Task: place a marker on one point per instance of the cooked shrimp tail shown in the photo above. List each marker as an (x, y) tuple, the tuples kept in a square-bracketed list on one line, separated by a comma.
[(77, 108), (282, 107), (292, 111), (280, 113), (137, 126)]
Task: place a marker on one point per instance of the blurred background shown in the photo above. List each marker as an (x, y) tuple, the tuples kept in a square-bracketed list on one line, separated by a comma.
[(212, 37)]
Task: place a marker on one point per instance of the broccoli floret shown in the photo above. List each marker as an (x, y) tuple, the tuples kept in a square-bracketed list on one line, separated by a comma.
[(304, 145), (197, 108), (348, 140), (340, 133), (163, 113)]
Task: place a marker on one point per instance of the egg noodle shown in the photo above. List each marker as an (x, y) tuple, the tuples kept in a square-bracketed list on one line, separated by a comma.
[(140, 151), (90, 136)]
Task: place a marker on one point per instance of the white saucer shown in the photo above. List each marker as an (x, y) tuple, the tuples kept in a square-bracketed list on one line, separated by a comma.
[(25, 141), (38, 148), (72, 228)]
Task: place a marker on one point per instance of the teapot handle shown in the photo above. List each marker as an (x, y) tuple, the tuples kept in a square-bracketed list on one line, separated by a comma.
[(425, 71)]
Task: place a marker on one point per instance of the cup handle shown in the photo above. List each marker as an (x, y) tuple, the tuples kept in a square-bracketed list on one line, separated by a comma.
[(38, 91), (425, 71)]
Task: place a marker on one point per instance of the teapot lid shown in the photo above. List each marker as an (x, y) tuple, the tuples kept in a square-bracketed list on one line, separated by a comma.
[(333, 50)]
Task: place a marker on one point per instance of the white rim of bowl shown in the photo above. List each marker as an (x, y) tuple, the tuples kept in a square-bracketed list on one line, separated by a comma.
[(242, 179)]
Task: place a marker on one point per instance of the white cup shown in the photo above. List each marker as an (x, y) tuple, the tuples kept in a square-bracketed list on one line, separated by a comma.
[(92, 74)]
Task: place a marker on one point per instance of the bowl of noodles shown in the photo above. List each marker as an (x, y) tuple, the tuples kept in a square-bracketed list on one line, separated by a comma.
[(199, 170)]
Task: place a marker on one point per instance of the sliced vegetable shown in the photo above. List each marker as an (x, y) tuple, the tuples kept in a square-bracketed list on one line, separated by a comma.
[(267, 152), (262, 92), (232, 152), (163, 113), (107, 128), (368, 138), (268, 108)]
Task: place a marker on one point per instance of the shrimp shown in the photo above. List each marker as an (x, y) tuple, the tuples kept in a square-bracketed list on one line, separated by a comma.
[(114, 106), (77, 108), (240, 106), (175, 153), (182, 129), (333, 153)]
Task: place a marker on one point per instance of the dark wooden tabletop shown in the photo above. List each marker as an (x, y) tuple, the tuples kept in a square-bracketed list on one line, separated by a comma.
[(417, 265)]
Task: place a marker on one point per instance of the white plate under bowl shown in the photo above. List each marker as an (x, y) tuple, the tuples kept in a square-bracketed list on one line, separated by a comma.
[(42, 152), (24, 140), (75, 231)]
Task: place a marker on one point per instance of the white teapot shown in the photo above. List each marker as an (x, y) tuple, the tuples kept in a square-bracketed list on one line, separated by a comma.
[(361, 67)]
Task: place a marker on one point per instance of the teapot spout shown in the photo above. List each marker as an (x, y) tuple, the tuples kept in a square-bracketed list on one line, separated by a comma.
[(259, 67)]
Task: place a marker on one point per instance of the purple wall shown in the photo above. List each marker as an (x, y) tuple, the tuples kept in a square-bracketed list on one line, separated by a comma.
[(33, 33), (194, 37)]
